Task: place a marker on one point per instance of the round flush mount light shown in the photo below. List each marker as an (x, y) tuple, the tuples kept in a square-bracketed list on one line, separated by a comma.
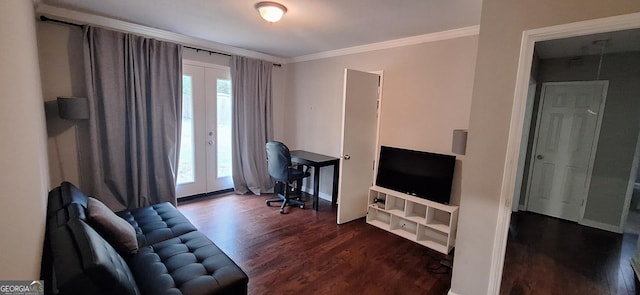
[(271, 11)]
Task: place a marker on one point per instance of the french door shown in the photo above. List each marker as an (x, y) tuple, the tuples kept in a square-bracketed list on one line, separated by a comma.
[(205, 147)]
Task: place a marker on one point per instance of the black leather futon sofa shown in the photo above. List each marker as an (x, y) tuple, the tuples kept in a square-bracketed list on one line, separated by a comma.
[(172, 256)]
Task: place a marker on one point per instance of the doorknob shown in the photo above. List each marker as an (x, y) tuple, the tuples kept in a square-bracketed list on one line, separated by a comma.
[(346, 157), (210, 142), (539, 157)]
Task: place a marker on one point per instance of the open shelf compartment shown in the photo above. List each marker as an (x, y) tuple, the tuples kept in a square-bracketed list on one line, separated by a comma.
[(427, 235), (416, 212), (378, 218), (378, 198), (395, 205), (403, 227), (438, 219), (375, 195)]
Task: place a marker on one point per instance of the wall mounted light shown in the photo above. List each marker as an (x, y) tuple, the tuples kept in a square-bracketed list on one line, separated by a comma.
[(271, 11), (459, 145)]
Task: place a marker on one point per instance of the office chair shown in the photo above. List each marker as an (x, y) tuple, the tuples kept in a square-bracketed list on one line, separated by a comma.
[(281, 169)]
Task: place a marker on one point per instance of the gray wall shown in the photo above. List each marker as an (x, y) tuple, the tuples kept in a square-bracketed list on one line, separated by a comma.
[(619, 131)]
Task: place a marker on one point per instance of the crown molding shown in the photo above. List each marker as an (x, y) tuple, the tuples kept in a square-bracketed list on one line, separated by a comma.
[(438, 36), (118, 25)]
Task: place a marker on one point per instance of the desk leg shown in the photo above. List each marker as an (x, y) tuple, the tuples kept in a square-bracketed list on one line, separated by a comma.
[(334, 191), (316, 186), (298, 191)]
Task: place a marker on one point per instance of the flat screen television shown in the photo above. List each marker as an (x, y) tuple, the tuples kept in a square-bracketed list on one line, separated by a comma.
[(421, 174)]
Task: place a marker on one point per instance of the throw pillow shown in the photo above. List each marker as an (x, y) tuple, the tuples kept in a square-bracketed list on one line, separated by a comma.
[(117, 231)]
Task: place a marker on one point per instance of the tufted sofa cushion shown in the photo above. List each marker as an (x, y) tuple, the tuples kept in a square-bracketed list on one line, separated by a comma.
[(187, 264), (157, 223)]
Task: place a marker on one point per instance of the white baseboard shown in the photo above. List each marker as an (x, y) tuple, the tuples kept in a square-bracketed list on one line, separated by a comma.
[(600, 225), (451, 293), (321, 195)]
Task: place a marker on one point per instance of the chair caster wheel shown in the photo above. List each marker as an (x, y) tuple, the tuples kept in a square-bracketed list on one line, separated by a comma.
[(301, 206), (282, 211), (268, 203)]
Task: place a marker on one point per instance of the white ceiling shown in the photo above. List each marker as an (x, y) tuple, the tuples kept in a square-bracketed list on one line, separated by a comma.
[(308, 27)]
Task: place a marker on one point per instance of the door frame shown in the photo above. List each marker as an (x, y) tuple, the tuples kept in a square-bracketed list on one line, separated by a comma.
[(594, 146), (529, 38), (205, 66)]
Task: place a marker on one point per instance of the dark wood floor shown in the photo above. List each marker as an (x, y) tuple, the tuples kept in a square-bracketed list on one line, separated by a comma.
[(546, 255), (306, 252)]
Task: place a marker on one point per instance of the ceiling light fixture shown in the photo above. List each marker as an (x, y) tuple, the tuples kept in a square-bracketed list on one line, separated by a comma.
[(271, 11)]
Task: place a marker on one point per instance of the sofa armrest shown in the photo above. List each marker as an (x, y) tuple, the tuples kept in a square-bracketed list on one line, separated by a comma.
[(85, 263)]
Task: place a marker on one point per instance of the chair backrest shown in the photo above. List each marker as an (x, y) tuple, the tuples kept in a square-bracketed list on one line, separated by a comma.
[(278, 160)]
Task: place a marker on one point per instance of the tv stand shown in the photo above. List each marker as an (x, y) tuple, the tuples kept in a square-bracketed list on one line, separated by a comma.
[(425, 222)]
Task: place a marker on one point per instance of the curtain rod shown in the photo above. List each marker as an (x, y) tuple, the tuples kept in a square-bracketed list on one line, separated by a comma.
[(48, 19)]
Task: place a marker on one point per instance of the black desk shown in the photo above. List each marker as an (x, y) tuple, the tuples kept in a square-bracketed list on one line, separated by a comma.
[(316, 161)]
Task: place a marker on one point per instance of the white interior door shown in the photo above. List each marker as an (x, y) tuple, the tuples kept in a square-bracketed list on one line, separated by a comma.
[(205, 147), (566, 139), (358, 143)]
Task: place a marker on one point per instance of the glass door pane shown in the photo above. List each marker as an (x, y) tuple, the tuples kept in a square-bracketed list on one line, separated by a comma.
[(224, 113), (192, 175), (186, 167), (218, 128)]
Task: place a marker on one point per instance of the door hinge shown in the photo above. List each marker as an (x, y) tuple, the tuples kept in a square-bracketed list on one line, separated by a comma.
[(373, 165), (507, 202)]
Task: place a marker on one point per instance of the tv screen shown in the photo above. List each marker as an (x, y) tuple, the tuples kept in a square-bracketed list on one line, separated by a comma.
[(422, 174)]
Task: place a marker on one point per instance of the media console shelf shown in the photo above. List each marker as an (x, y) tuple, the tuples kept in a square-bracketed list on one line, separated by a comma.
[(425, 222)]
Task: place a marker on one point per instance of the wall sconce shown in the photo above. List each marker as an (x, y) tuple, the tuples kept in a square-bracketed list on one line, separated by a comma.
[(271, 11), (459, 145), (73, 108)]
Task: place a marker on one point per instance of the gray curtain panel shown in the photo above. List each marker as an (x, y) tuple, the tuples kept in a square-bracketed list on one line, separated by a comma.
[(252, 124), (134, 86)]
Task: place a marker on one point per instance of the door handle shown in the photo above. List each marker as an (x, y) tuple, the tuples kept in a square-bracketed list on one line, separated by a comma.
[(539, 157), (210, 142), (346, 157)]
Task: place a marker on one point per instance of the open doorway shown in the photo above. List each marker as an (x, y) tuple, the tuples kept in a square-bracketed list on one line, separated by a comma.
[(597, 58), (544, 253)]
